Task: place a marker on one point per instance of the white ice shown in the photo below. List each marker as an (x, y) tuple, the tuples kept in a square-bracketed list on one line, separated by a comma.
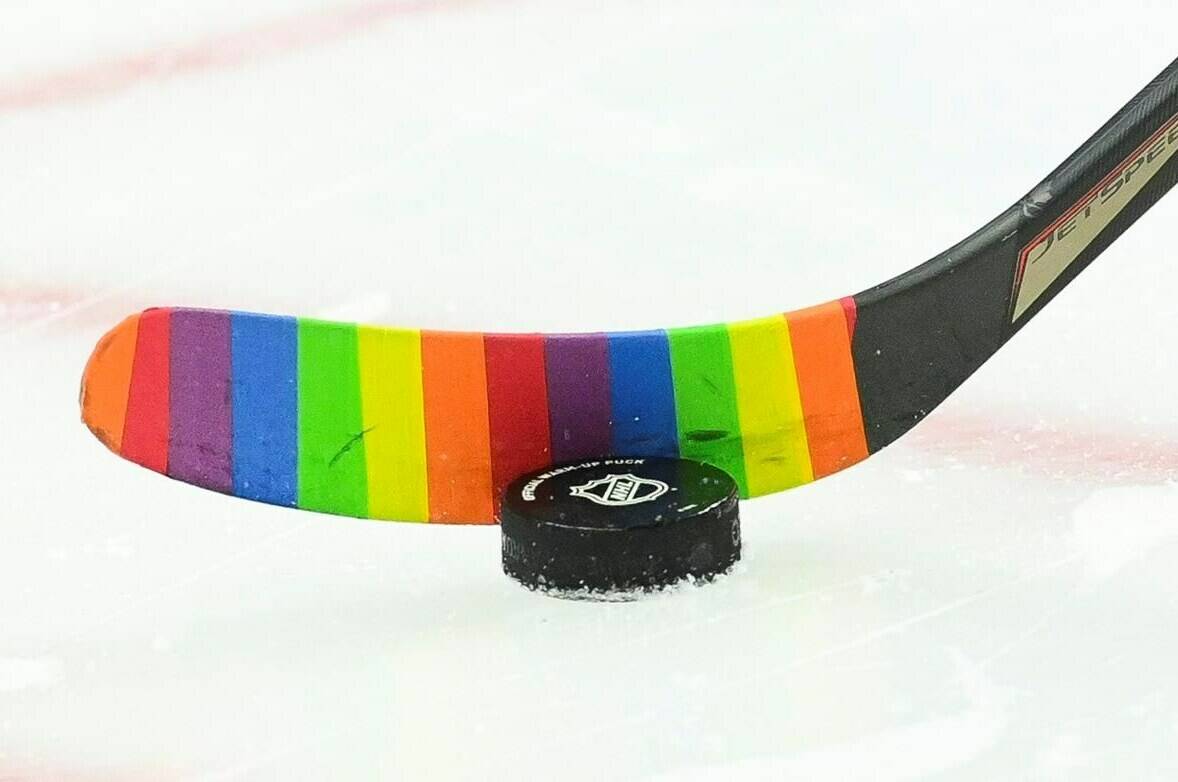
[(994, 597)]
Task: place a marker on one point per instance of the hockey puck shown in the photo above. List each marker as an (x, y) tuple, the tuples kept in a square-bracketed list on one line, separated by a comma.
[(618, 525)]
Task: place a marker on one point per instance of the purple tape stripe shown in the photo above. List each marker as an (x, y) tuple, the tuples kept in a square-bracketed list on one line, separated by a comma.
[(200, 448), (578, 395)]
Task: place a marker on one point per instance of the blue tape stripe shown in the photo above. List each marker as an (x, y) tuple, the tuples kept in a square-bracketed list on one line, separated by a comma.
[(265, 408), (642, 394)]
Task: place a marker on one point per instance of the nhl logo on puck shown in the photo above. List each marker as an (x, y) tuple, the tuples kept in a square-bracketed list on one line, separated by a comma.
[(612, 527), (618, 490)]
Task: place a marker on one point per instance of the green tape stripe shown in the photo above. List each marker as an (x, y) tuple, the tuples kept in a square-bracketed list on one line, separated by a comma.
[(332, 470), (705, 399)]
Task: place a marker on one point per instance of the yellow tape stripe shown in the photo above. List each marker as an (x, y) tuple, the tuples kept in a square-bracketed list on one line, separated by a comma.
[(394, 423), (776, 455)]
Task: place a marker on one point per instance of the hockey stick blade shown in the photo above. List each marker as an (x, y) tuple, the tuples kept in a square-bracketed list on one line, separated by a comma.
[(430, 426)]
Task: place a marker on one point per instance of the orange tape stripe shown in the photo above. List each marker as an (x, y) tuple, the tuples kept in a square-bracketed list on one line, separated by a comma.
[(826, 380), (107, 382), (457, 432)]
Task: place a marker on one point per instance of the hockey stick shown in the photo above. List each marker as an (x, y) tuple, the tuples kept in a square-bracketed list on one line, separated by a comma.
[(430, 426)]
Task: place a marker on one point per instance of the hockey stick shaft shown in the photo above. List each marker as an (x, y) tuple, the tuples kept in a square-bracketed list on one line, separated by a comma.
[(923, 333)]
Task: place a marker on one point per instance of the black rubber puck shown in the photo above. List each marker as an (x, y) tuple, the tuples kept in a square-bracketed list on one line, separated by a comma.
[(620, 525)]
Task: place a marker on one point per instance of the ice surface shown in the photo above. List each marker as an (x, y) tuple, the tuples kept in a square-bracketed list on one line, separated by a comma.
[(992, 598)]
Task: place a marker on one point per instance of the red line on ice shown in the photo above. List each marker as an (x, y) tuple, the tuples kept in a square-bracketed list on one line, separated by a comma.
[(1059, 452), (38, 772), (66, 307), (19, 304), (223, 50)]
